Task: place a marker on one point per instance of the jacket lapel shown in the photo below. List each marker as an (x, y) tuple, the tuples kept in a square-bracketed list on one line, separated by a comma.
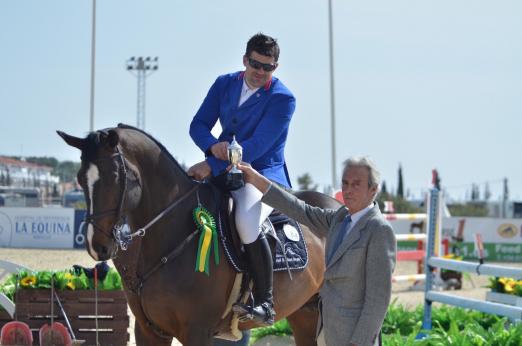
[(236, 91), (332, 236), (260, 94), (353, 236)]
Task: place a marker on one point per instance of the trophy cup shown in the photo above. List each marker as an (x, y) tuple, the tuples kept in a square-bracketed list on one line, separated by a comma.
[(234, 178)]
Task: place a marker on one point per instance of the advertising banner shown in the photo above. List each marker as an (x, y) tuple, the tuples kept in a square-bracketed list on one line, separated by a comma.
[(49, 228), (6, 227), (79, 229), (502, 237)]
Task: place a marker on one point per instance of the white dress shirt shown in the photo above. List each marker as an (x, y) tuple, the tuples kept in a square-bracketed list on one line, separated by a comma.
[(246, 92)]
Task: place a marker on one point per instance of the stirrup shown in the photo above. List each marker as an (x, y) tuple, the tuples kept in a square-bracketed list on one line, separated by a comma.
[(262, 314)]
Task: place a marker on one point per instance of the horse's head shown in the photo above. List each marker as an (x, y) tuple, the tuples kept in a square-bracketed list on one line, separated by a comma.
[(111, 185)]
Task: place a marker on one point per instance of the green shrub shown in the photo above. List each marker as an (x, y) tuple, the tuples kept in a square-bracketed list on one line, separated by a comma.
[(63, 280), (452, 326)]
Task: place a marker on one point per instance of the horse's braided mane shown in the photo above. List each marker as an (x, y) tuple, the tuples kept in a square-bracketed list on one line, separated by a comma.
[(162, 148)]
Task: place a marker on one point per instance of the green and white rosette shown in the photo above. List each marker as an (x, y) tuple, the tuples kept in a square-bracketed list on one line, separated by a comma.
[(207, 226)]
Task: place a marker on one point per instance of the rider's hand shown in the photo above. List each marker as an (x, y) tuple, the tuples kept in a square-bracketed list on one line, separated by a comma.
[(220, 150), (200, 170)]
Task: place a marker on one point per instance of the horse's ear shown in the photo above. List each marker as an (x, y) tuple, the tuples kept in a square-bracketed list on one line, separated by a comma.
[(113, 138), (72, 141)]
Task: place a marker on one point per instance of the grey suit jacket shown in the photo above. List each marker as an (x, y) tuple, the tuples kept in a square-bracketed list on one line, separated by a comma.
[(357, 282)]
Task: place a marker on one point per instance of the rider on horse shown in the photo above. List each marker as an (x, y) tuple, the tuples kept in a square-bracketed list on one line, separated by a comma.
[(256, 108)]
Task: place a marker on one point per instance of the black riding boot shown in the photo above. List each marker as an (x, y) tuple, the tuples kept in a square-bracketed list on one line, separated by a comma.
[(261, 263)]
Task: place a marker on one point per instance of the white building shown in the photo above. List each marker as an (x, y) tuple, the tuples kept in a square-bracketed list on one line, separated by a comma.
[(19, 173)]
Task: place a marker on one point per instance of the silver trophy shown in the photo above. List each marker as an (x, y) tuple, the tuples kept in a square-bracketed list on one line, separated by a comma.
[(234, 178)]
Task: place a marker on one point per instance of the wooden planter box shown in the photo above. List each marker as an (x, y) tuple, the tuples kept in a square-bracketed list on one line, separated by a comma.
[(4, 317), (504, 298), (33, 306)]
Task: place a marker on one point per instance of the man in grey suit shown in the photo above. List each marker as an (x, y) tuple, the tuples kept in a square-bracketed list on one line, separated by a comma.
[(359, 255)]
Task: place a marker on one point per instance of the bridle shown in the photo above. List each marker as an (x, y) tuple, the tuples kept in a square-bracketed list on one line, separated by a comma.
[(122, 234), (91, 218)]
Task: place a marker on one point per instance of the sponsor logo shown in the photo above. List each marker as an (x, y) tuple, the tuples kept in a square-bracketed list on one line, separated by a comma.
[(507, 230)]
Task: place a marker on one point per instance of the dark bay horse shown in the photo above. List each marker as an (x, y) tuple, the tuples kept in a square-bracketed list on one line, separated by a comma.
[(127, 176)]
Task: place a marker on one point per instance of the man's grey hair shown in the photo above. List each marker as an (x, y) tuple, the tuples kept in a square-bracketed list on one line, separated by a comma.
[(374, 176)]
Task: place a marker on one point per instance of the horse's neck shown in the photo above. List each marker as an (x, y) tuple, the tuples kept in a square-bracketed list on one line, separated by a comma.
[(163, 184), (162, 179)]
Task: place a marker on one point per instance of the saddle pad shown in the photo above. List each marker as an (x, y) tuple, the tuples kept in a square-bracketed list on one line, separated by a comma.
[(289, 237), (292, 241)]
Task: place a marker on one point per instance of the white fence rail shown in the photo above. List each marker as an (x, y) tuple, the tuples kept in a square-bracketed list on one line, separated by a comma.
[(434, 226)]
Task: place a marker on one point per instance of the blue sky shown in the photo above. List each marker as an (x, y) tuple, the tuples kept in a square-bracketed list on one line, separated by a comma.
[(427, 84)]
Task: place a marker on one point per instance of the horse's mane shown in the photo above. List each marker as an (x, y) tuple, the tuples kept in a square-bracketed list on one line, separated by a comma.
[(158, 143), (93, 141)]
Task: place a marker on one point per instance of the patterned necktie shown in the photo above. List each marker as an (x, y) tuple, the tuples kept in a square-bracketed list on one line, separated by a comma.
[(340, 237)]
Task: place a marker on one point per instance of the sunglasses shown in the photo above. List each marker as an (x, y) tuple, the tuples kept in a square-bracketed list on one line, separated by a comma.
[(257, 65)]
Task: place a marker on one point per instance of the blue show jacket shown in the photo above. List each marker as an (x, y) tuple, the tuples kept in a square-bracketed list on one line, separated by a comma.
[(260, 124)]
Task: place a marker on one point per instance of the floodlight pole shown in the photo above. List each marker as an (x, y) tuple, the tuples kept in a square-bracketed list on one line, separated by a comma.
[(142, 68), (93, 55), (332, 96)]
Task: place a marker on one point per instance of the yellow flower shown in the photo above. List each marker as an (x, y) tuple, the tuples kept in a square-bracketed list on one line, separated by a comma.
[(68, 276), (503, 281), (28, 281), (508, 288), (452, 256), (70, 285)]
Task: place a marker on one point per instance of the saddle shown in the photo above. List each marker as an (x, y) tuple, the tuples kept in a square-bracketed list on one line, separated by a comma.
[(289, 251)]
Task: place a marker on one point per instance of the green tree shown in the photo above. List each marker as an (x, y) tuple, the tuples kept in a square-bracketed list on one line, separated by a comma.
[(384, 190), (44, 161), (67, 170), (487, 192), (475, 192), (305, 182), (400, 185)]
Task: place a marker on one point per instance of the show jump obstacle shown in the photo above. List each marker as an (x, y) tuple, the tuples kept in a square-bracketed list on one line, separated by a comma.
[(434, 225)]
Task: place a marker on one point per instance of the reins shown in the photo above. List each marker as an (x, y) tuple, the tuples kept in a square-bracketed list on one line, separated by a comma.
[(124, 239), (142, 230)]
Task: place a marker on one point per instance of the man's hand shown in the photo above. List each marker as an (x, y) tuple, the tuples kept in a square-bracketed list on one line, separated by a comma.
[(254, 177), (200, 170), (220, 150)]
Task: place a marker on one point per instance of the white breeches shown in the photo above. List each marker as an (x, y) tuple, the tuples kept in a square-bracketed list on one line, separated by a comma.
[(250, 212)]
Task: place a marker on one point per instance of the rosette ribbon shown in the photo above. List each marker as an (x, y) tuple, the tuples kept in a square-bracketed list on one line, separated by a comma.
[(207, 226)]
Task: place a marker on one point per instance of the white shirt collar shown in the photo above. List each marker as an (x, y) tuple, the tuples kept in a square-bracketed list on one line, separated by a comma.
[(246, 92), (358, 215)]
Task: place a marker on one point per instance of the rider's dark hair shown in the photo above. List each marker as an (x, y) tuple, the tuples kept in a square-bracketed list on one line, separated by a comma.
[(264, 45)]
